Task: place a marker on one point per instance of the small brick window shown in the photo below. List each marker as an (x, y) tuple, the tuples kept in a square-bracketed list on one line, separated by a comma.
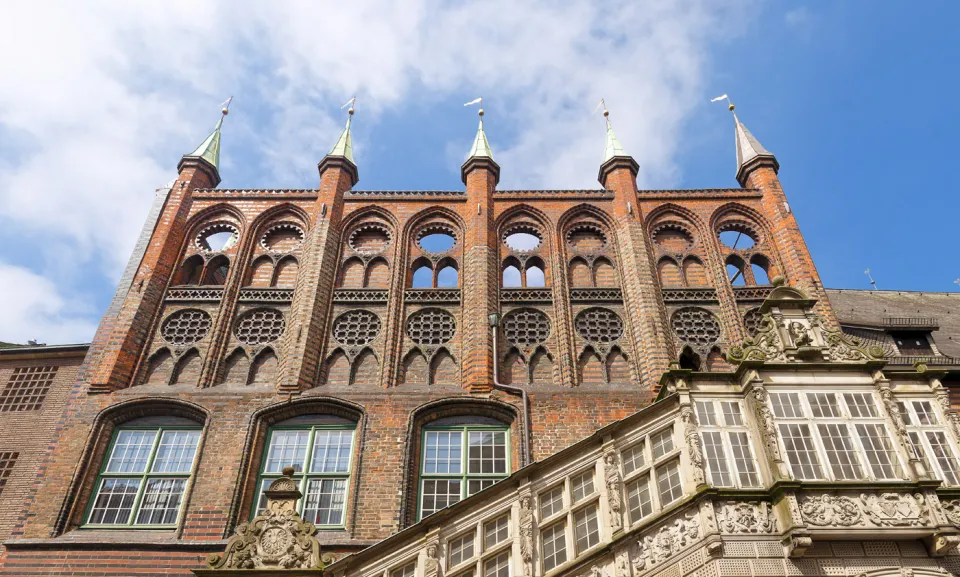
[(912, 344), (7, 461), (27, 388)]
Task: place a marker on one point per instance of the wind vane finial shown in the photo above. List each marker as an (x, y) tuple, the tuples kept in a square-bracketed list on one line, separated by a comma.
[(225, 106), (730, 105), (606, 113), (479, 101), (349, 103)]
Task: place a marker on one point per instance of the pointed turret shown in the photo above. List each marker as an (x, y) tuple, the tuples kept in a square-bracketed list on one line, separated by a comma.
[(480, 154), (750, 153), (614, 156), (342, 153), (207, 155)]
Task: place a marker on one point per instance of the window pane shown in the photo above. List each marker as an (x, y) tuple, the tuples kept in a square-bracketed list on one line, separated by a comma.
[(860, 404), (496, 531), (131, 452), (944, 456), (925, 414), (668, 483), (705, 413), (551, 502), (114, 501), (823, 404), (801, 453), (582, 485), (880, 455), (176, 452), (442, 452), (716, 460), (587, 528), (405, 571), (331, 451), (786, 405), (487, 452), (919, 452), (662, 443), (638, 499), (323, 503), (161, 502), (461, 548), (632, 458), (499, 566), (262, 499), (731, 414), (840, 452), (554, 546), (907, 417), (743, 458), (438, 494), (477, 485), (287, 449)]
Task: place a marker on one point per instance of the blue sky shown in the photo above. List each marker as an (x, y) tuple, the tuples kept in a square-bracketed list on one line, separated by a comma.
[(856, 99)]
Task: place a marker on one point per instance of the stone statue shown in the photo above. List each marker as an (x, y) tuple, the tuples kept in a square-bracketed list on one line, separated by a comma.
[(611, 475), (800, 335), (694, 446)]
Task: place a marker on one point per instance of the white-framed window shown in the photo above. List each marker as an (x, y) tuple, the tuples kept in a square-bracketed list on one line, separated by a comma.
[(651, 474), (461, 548), (553, 543), (466, 558), (408, 570), (569, 513), (582, 485), (498, 566), (729, 457), (662, 442), (586, 527), (836, 436), (929, 441), (496, 531)]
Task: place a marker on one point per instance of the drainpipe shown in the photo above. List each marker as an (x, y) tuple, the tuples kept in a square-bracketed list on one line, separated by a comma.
[(494, 320)]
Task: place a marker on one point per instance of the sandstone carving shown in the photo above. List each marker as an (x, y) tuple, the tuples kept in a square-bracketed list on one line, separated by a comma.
[(743, 517), (666, 542), (611, 473), (830, 510), (694, 446), (894, 509)]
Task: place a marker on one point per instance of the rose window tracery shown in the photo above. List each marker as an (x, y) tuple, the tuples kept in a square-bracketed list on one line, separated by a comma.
[(599, 325), (185, 327), (431, 327), (751, 321), (260, 326), (696, 326), (356, 328), (526, 327)]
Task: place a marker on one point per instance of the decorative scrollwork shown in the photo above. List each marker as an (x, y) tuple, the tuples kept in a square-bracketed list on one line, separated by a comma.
[(656, 548), (764, 345), (844, 347), (747, 517), (830, 510), (894, 509)]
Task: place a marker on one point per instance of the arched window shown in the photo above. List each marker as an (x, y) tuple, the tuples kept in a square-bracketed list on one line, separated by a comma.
[(147, 469), (735, 266), (217, 270), (320, 450), (190, 270), (511, 277), (460, 456), (760, 267), (535, 276), (447, 275), (422, 277)]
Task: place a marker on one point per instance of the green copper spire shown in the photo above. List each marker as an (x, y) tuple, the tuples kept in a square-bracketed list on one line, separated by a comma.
[(612, 147), (209, 149), (480, 145), (344, 146)]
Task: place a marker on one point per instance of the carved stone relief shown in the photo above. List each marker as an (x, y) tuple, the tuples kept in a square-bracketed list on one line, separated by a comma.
[(526, 535), (744, 517), (611, 474), (876, 509), (664, 543), (827, 510), (694, 446)]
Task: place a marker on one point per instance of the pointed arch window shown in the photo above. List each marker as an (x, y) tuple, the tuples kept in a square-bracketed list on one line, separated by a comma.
[(143, 480), (460, 460), (321, 456)]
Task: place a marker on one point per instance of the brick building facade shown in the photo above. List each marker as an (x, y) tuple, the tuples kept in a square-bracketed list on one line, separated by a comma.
[(402, 350)]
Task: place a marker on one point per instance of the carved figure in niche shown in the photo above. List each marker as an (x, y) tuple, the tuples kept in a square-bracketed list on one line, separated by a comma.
[(694, 446), (800, 335), (611, 474), (432, 564), (767, 424), (622, 567), (526, 535), (830, 510)]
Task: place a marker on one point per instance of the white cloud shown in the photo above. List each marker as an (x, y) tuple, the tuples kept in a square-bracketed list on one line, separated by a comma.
[(33, 309), (104, 97)]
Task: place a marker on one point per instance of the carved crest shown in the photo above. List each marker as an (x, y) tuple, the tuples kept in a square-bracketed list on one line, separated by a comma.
[(824, 510), (894, 509), (743, 517), (276, 539)]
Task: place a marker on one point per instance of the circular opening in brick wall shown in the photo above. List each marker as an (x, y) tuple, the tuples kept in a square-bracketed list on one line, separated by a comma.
[(369, 238), (586, 237), (260, 326), (431, 327), (185, 327), (599, 325), (436, 238), (737, 236), (751, 321), (695, 326), (282, 238), (522, 238), (217, 237), (356, 328), (526, 327)]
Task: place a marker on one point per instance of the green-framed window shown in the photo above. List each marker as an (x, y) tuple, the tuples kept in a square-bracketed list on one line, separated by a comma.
[(321, 457), (458, 461), (144, 477)]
